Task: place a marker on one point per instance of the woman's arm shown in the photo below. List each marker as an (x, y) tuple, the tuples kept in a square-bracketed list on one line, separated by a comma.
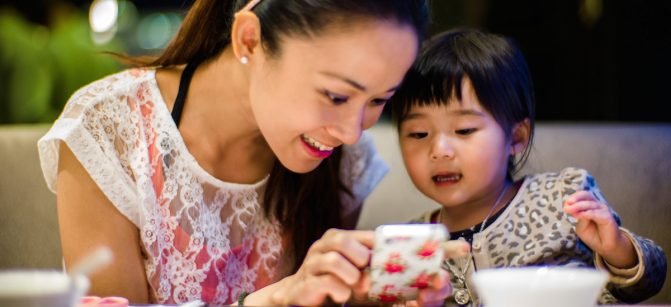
[(87, 219)]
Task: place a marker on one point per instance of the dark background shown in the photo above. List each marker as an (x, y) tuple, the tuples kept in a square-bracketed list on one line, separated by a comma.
[(591, 60)]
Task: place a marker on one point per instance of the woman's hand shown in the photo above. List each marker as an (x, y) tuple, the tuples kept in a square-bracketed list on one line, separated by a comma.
[(598, 229), (332, 269), (440, 287)]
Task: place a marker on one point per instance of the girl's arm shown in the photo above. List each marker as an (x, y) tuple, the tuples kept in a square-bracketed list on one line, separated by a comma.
[(649, 277), (87, 219)]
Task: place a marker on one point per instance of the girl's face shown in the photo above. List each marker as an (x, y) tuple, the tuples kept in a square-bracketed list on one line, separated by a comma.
[(455, 154), (321, 92)]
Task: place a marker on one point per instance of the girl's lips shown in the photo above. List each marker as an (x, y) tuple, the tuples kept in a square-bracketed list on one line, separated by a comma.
[(316, 152), (446, 179)]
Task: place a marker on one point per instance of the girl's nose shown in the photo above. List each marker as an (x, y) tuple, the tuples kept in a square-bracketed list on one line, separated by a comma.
[(441, 148)]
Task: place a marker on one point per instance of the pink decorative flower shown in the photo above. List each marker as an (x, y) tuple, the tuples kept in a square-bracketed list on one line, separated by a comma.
[(422, 280), (428, 249), (394, 264), (386, 296)]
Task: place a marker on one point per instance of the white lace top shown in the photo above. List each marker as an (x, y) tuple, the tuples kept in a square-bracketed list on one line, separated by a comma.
[(202, 238)]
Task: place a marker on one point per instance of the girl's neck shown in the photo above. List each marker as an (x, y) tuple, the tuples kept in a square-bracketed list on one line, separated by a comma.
[(465, 216)]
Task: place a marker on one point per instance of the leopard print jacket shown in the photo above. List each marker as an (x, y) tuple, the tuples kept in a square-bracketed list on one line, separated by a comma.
[(534, 231)]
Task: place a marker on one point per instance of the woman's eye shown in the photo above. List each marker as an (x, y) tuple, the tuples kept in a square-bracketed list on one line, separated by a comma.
[(417, 135), (335, 98), (380, 101), (465, 131)]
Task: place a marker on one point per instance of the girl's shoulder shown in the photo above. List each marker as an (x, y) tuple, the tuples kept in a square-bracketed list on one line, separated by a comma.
[(557, 184)]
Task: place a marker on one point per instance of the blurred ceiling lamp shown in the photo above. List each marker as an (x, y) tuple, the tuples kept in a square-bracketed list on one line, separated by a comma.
[(590, 12), (103, 16)]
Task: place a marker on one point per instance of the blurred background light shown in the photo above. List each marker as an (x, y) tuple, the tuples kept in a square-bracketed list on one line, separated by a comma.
[(103, 15), (156, 30)]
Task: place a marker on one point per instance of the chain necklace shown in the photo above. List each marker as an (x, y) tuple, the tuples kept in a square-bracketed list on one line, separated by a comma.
[(463, 295)]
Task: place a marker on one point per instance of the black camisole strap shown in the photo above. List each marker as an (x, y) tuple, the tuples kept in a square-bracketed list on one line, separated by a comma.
[(184, 83)]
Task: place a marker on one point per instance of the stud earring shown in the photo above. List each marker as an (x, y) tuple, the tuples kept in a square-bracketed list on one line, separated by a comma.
[(244, 59)]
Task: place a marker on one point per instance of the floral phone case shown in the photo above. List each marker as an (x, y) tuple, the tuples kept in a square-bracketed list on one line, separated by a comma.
[(405, 259)]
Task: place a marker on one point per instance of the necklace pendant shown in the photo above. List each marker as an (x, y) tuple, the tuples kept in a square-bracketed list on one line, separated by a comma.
[(462, 297)]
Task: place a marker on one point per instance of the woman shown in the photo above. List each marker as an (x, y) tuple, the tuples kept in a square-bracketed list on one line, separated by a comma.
[(216, 170)]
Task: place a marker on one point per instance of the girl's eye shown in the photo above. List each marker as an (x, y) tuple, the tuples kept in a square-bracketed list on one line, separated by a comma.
[(335, 98), (417, 135), (465, 131)]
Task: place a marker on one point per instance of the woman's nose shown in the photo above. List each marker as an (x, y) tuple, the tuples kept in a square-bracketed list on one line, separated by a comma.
[(349, 126), (441, 148)]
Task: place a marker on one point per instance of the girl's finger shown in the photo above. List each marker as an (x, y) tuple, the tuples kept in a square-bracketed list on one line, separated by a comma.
[(455, 248), (439, 290), (580, 206), (579, 196), (598, 216)]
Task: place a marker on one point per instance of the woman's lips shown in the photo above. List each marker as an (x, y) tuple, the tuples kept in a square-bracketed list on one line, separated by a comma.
[(315, 152)]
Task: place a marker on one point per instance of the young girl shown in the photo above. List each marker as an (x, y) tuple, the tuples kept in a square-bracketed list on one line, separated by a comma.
[(465, 122), (216, 170)]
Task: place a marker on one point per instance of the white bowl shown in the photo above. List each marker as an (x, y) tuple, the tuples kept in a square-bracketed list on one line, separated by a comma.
[(539, 286), (28, 288)]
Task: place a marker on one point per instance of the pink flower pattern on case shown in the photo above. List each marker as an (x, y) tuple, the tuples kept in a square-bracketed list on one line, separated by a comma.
[(428, 249), (394, 264), (405, 261)]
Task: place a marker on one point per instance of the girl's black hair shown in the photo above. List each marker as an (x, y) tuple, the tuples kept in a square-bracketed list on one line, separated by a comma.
[(306, 205), (494, 65)]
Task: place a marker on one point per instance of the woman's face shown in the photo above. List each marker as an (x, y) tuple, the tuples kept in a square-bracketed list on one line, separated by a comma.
[(322, 92)]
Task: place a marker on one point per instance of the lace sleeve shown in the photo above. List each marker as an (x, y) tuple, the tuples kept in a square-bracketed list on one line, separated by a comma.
[(95, 126), (361, 170)]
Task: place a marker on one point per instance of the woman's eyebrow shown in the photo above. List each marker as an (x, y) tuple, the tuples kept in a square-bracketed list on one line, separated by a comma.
[(351, 82)]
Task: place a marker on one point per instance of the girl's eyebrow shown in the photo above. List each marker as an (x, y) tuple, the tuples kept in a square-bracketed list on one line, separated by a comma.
[(412, 116), (351, 82), (464, 112)]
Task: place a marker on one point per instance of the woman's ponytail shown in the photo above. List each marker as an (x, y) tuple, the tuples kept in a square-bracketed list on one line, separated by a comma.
[(205, 31)]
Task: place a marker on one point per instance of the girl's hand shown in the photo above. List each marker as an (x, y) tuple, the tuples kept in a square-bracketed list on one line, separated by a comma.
[(332, 269), (441, 288), (598, 229)]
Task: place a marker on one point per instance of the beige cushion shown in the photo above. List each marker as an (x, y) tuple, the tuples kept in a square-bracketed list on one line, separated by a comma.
[(28, 226), (630, 162)]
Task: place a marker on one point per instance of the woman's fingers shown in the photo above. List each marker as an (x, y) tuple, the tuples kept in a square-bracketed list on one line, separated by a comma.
[(313, 290), (333, 263), (354, 245), (332, 268)]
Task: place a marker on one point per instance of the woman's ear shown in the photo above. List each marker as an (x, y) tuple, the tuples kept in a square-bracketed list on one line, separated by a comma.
[(245, 35), (520, 137)]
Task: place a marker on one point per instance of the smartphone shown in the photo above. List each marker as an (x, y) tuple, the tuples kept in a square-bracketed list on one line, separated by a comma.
[(405, 259)]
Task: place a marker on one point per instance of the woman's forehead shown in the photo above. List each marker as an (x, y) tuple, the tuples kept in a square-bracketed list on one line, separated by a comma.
[(373, 47)]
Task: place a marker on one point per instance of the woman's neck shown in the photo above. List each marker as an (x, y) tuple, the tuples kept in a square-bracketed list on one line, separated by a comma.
[(467, 215), (218, 126)]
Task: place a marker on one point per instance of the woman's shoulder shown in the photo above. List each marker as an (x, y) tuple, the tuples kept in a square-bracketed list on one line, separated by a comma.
[(132, 83)]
